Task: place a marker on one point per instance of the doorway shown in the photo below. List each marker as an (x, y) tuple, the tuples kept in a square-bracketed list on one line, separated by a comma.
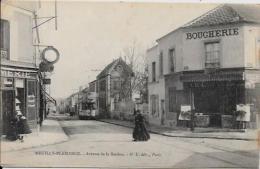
[(7, 108), (163, 113)]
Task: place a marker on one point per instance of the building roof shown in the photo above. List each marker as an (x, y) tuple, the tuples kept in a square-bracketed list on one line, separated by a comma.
[(107, 69), (153, 47), (226, 14)]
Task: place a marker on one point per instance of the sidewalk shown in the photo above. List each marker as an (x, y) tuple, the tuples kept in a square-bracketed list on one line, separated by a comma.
[(197, 133), (50, 133)]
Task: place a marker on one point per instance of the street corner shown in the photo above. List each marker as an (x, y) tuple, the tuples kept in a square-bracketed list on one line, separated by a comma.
[(32, 141), (50, 133)]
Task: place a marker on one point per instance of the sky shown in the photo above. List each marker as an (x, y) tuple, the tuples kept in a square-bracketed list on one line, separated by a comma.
[(91, 34)]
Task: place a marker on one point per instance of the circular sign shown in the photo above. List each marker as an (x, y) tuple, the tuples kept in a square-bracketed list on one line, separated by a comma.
[(46, 59)]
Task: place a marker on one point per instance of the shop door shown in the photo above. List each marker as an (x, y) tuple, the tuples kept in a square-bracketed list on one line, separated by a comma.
[(163, 113), (207, 101), (7, 108)]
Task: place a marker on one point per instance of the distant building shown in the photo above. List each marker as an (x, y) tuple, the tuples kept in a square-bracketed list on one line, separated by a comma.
[(211, 63), (93, 86), (113, 87)]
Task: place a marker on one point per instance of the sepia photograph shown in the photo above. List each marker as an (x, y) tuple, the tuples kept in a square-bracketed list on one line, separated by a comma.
[(129, 84)]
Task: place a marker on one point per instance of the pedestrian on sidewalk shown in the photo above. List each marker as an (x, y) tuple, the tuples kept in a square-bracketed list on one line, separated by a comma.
[(18, 124), (22, 126), (140, 132), (12, 133)]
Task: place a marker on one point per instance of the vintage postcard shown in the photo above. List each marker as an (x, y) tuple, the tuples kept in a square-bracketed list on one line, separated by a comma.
[(129, 84)]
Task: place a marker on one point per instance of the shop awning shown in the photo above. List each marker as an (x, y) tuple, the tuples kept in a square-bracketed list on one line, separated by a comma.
[(49, 98), (208, 77)]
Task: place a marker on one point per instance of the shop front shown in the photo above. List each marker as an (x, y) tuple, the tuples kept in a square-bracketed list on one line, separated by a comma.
[(19, 90), (215, 96)]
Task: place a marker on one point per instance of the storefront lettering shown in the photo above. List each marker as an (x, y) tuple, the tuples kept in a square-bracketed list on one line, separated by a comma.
[(212, 33), (8, 73)]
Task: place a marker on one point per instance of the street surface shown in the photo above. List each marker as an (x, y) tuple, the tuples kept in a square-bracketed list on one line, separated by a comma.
[(98, 144)]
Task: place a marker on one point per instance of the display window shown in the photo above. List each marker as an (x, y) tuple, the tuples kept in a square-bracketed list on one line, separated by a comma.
[(31, 99), (7, 83), (20, 94)]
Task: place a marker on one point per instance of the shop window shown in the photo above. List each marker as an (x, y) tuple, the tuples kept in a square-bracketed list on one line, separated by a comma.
[(20, 94), (161, 63), (4, 39), (171, 60), (7, 82), (31, 99), (172, 99), (153, 72), (212, 57)]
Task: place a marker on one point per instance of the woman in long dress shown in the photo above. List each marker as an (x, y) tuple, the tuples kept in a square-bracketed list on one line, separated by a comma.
[(18, 124), (140, 132)]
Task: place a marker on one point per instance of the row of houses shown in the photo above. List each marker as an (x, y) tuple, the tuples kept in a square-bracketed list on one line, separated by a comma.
[(112, 89), (22, 83), (212, 64)]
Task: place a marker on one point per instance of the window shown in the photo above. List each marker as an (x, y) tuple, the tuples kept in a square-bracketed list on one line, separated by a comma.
[(171, 60), (154, 100), (102, 85), (117, 85), (7, 82), (172, 99), (4, 39), (153, 72), (212, 59), (161, 63)]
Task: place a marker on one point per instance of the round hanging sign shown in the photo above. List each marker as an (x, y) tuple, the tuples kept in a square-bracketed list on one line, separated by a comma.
[(50, 48)]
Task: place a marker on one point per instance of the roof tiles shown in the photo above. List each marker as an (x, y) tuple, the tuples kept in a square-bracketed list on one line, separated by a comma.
[(229, 13)]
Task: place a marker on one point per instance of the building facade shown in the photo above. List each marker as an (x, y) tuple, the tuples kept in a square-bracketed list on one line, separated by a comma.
[(23, 85), (212, 64), (113, 87), (20, 81)]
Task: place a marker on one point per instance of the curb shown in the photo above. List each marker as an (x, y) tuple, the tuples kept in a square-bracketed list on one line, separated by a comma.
[(183, 136), (66, 138), (35, 146)]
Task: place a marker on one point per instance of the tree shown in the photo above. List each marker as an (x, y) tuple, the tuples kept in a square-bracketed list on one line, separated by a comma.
[(136, 59)]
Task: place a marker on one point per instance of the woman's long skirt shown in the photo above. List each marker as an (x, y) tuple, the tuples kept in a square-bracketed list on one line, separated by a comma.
[(23, 127), (140, 133)]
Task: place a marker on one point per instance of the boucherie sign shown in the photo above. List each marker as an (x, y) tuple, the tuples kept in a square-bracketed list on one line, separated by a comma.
[(212, 33)]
